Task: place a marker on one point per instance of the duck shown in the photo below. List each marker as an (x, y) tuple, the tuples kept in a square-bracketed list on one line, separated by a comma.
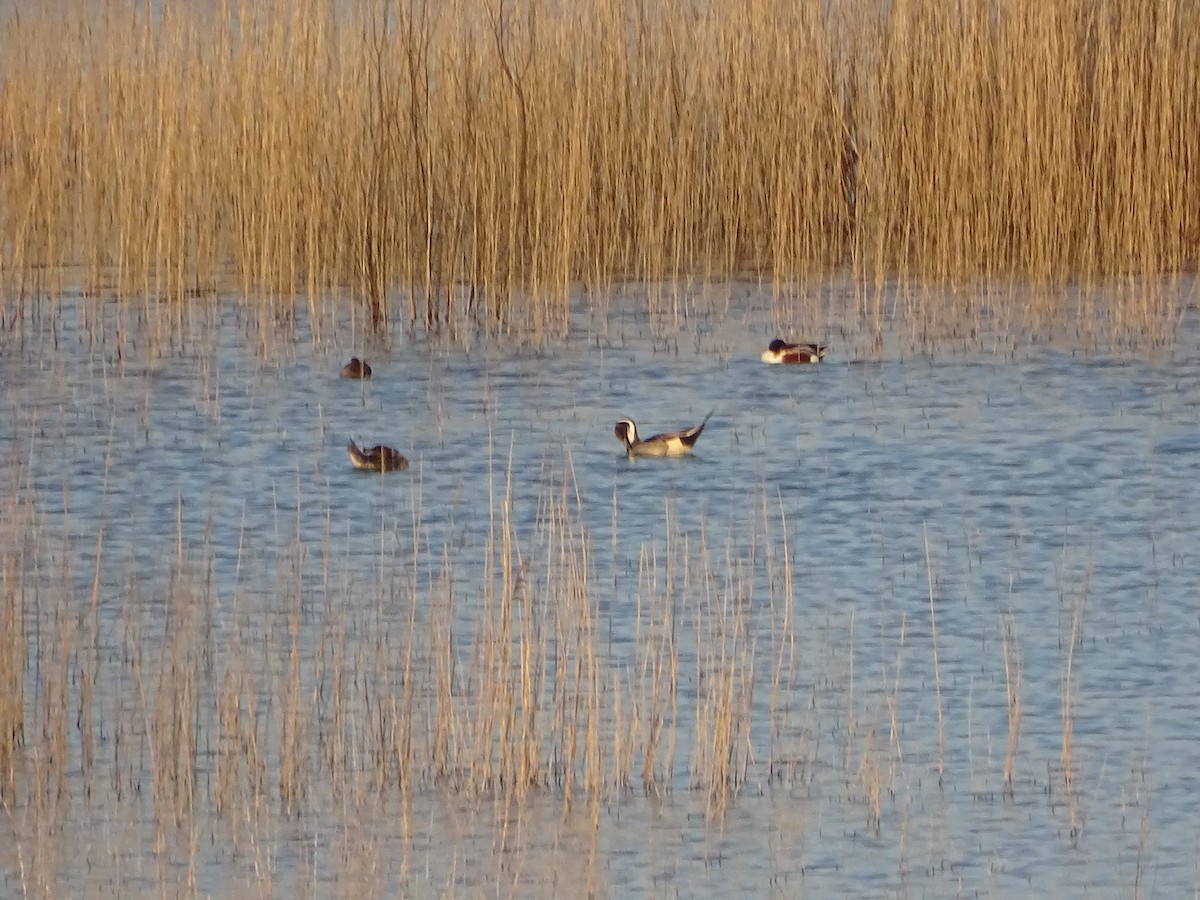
[(356, 368), (378, 459), (781, 351), (671, 443)]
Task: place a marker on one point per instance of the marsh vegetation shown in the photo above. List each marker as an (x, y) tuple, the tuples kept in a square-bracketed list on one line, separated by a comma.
[(898, 624), (436, 163)]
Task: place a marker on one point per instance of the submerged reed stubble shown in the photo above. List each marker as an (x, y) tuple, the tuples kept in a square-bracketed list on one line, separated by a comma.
[(457, 159)]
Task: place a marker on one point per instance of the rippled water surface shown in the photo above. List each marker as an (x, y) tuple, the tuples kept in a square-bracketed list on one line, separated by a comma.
[(955, 596)]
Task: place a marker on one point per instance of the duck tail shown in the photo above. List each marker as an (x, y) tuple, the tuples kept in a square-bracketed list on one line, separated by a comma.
[(693, 434)]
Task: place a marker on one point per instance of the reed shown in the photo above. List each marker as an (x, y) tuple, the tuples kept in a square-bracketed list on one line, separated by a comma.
[(1068, 688), (1013, 672), (196, 707), (14, 648), (726, 658), (784, 669), (933, 639), (462, 162)]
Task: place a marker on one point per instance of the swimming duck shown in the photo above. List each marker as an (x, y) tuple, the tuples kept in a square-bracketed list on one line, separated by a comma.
[(356, 368), (783, 352), (672, 443), (378, 459)]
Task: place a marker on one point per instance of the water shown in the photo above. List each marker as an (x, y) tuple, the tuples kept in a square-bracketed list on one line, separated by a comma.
[(190, 498)]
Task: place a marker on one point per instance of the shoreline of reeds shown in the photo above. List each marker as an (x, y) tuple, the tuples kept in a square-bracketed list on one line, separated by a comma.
[(441, 161)]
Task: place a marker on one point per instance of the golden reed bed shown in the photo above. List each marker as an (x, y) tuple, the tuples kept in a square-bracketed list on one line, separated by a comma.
[(462, 157)]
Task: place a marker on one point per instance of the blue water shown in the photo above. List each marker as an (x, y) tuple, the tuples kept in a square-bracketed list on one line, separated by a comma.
[(1034, 500)]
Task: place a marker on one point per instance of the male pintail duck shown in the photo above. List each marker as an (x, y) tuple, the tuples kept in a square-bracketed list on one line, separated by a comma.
[(378, 459), (792, 354), (356, 368), (672, 443)]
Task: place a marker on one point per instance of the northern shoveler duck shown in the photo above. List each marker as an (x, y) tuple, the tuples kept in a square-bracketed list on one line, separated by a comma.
[(671, 443), (378, 459), (356, 368), (792, 354)]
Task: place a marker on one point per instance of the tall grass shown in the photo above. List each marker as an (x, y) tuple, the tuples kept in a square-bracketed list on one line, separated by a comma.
[(229, 708), (170, 702), (438, 162)]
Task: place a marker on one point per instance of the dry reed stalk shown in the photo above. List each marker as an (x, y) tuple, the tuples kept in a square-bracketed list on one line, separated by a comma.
[(1014, 668), (14, 648), (445, 741), (892, 695), (494, 736), (292, 722), (589, 697), (783, 636), (658, 679), (786, 644), (397, 736), (1066, 756), (88, 664), (937, 671), (851, 728), (870, 779), (725, 657), (575, 725), (504, 736), (52, 745)]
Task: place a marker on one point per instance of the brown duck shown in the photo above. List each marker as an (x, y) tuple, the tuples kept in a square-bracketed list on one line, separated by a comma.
[(781, 351), (356, 368), (378, 459)]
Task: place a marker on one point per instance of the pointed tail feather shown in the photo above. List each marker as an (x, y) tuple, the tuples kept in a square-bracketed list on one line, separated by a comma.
[(692, 435)]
